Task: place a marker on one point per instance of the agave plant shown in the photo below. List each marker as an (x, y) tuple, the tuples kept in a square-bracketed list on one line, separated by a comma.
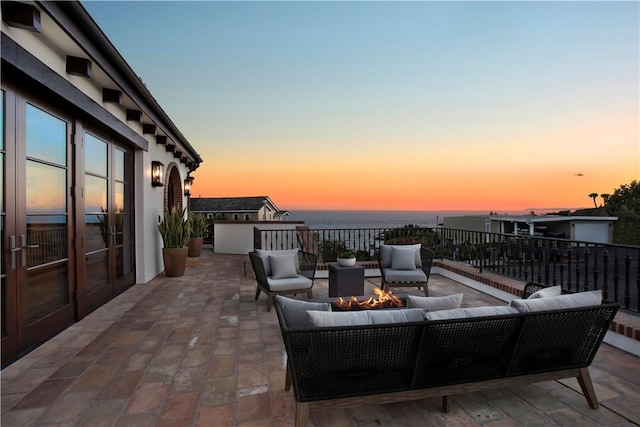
[(198, 223), (175, 229)]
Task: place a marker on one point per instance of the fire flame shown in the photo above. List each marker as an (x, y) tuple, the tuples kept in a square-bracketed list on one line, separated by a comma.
[(384, 300)]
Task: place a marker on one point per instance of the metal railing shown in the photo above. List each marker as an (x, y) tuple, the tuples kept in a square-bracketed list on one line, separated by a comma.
[(575, 265)]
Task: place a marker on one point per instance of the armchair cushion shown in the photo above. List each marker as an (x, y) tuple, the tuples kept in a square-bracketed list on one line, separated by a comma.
[(299, 282), (434, 303), (264, 256), (283, 266), (386, 254), (416, 275)]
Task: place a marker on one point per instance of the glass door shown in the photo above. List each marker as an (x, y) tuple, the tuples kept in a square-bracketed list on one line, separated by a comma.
[(109, 265), (37, 285)]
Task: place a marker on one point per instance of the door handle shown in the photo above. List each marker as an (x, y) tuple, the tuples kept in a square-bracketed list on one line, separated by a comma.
[(13, 249), (23, 244)]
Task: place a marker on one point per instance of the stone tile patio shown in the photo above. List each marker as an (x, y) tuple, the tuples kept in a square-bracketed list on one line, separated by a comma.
[(199, 351)]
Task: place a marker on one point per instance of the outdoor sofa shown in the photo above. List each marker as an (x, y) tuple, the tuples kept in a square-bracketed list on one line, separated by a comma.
[(402, 355)]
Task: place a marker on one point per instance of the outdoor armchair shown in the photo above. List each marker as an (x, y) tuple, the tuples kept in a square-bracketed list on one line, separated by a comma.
[(283, 272), (405, 266)]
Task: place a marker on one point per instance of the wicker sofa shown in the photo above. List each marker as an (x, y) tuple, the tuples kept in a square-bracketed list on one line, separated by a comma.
[(344, 366)]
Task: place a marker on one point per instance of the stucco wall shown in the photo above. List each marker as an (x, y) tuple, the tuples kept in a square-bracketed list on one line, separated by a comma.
[(236, 237)]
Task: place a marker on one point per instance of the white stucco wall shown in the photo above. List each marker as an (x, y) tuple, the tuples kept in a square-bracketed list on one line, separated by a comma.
[(237, 237), (150, 209)]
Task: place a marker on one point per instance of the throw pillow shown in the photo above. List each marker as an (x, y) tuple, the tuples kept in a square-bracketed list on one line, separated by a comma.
[(264, 256), (434, 303), (552, 291), (568, 301), (283, 266), (403, 258), (385, 254), (463, 313), (295, 311)]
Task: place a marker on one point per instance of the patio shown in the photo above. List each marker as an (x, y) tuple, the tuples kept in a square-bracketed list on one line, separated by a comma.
[(199, 351)]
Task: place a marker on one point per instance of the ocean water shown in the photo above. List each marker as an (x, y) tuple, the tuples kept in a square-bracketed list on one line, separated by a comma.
[(374, 219)]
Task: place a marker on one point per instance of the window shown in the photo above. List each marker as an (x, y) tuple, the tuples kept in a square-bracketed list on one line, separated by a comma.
[(236, 217), (247, 217)]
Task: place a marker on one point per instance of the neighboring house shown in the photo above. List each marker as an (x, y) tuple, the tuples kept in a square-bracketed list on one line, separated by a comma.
[(258, 208), (79, 202), (595, 229)]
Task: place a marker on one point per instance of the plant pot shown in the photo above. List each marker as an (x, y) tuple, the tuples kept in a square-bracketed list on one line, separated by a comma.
[(195, 246), (346, 262), (175, 261)]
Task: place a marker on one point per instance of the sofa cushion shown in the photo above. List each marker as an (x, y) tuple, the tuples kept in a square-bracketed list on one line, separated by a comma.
[(364, 317), (552, 291), (295, 311), (264, 256), (386, 254), (283, 266), (416, 275), (434, 303), (290, 284), (463, 313), (580, 299)]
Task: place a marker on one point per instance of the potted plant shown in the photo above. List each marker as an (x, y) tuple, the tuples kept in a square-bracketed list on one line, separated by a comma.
[(198, 224), (175, 231), (347, 259)]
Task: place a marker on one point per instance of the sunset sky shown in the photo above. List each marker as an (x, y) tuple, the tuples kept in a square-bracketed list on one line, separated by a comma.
[(395, 105)]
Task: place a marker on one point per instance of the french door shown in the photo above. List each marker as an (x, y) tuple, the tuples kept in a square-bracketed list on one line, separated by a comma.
[(108, 221), (66, 221), (37, 234)]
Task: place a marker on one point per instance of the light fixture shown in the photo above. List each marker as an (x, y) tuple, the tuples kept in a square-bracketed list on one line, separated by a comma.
[(187, 187), (156, 174)]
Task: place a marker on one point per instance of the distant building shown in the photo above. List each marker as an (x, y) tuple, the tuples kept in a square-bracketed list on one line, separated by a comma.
[(258, 208), (597, 229)]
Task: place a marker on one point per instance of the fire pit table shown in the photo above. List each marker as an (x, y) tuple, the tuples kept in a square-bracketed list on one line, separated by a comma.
[(345, 281)]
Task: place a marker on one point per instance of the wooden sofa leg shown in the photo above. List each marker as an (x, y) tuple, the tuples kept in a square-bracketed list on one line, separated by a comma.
[(445, 404), (258, 292), (426, 290), (584, 379), (302, 414), (269, 302)]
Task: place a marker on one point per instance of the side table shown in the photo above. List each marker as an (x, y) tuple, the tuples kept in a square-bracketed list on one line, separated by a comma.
[(345, 281)]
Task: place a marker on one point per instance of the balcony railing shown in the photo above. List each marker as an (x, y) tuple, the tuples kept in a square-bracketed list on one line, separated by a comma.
[(575, 265)]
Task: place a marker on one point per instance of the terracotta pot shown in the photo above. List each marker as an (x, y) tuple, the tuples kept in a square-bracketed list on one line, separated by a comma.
[(195, 246), (175, 261)]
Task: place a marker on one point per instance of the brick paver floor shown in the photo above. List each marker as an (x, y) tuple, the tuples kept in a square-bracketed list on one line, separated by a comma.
[(199, 351)]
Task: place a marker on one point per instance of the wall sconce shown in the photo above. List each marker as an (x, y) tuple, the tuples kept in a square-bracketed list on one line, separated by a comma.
[(188, 182), (187, 187), (157, 173)]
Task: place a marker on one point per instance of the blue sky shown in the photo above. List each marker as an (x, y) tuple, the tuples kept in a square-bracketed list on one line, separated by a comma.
[(290, 99)]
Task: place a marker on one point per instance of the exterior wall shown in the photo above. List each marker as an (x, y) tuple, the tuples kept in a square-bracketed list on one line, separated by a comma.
[(149, 200), (236, 237), (590, 232), (149, 210), (471, 222)]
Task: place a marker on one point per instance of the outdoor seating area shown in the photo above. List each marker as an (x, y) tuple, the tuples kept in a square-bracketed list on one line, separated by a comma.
[(199, 350)]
